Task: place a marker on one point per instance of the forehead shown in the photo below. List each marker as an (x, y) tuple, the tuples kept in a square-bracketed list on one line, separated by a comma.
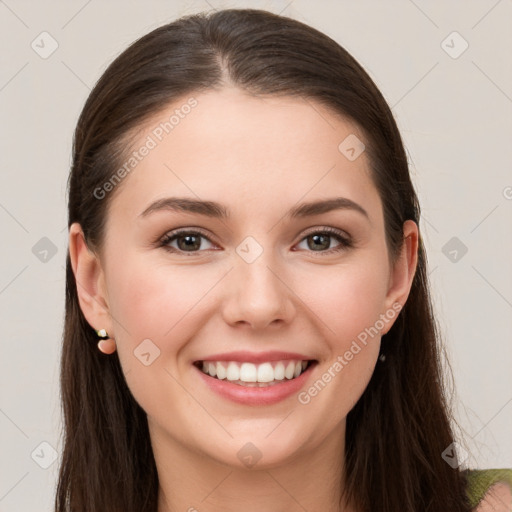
[(228, 145)]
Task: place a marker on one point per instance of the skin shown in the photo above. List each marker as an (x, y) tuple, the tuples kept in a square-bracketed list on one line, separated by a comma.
[(259, 157), (497, 499)]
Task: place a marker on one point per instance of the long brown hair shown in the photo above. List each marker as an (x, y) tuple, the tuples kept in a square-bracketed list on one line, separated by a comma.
[(400, 426)]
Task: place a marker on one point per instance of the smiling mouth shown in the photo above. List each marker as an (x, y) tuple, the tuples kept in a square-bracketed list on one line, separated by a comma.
[(255, 375)]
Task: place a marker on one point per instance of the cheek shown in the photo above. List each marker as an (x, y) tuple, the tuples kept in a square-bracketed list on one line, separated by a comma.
[(158, 308), (150, 299), (346, 299), (153, 311), (349, 303)]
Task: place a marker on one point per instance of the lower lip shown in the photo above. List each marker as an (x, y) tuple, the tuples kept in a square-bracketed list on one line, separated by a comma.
[(255, 395)]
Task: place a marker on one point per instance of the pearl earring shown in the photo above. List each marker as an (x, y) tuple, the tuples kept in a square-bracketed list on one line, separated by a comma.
[(106, 344)]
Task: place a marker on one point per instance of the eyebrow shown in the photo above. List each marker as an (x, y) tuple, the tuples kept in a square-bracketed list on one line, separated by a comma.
[(217, 210)]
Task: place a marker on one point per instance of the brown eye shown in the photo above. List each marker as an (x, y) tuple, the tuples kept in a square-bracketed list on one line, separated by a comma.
[(186, 241), (189, 242), (321, 241)]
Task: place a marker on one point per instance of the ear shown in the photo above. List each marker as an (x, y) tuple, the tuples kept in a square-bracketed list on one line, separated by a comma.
[(402, 274), (90, 282)]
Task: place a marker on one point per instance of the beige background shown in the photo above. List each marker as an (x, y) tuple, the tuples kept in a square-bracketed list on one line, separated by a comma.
[(454, 110)]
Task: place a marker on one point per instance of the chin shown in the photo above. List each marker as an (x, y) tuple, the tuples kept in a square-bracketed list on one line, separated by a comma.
[(264, 450)]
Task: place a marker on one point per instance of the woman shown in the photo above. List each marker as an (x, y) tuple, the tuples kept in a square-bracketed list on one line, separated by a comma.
[(244, 242)]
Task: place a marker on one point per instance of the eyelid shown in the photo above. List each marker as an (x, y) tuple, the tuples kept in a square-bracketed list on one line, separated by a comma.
[(345, 240), (326, 229), (161, 241)]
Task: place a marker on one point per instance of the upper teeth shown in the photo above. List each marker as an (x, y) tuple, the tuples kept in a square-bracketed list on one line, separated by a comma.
[(249, 372)]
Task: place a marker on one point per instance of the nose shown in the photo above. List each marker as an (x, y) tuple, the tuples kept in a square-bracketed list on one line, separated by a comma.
[(258, 294)]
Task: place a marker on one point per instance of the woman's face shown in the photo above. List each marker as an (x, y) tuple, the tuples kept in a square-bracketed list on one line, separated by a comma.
[(253, 283)]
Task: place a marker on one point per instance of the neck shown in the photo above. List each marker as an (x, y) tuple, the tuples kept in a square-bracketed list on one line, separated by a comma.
[(195, 482)]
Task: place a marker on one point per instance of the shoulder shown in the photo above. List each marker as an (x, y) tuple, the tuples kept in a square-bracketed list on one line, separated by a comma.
[(497, 499), (490, 490)]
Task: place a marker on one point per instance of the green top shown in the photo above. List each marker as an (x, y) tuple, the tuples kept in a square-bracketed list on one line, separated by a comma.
[(479, 481)]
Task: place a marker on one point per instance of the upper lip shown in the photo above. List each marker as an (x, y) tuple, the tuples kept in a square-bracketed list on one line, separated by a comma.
[(255, 357)]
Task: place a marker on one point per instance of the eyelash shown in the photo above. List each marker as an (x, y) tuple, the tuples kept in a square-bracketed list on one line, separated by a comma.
[(345, 242)]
